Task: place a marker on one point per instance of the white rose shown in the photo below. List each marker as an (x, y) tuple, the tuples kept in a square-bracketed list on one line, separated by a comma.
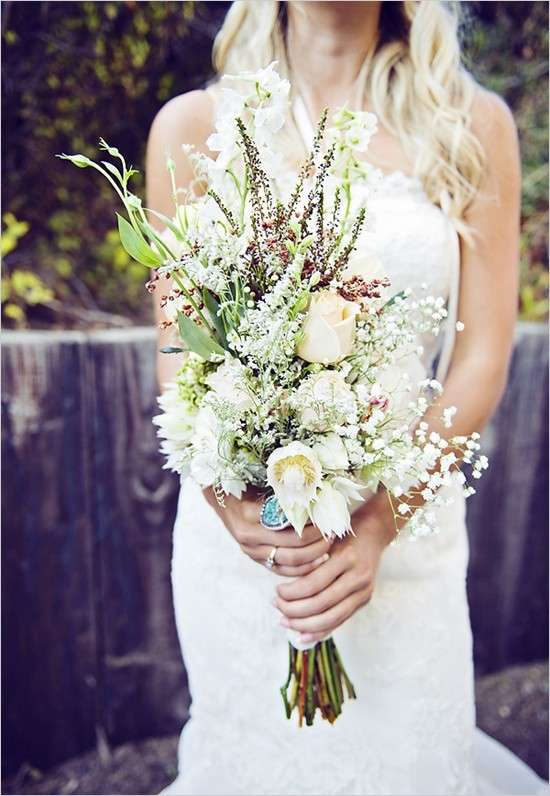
[(328, 329), (324, 400), (229, 382), (331, 452)]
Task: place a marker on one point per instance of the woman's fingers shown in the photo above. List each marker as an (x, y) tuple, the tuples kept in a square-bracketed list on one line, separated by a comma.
[(287, 562), (294, 556), (295, 572), (316, 581), (335, 593), (253, 535), (329, 620)]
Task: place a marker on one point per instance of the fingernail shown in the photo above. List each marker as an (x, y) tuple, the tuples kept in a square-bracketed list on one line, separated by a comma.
[(321, 559), (284, 621), (305, 638)]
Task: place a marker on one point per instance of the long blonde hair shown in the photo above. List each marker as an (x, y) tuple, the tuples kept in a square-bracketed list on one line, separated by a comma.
[(415, 83)]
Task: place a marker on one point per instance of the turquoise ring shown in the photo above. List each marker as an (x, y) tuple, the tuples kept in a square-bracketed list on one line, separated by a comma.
[(272, 515)]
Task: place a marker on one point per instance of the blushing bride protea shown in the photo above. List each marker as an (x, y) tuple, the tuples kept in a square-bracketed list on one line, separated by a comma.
[(295, 373), (294, 473)]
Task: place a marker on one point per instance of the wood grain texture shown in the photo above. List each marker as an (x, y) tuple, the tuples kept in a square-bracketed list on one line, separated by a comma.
[(89, 642)]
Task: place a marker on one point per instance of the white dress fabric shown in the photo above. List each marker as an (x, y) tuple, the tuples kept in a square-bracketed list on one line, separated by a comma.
[(408, 652)]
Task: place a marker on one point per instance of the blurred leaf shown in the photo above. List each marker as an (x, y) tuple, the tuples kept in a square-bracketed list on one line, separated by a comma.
[(14, 312)]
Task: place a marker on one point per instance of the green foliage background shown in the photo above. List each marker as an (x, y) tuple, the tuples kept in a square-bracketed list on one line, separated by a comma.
[(75, 71)]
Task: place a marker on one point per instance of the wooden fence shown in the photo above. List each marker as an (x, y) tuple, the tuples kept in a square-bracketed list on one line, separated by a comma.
[(90, 653)]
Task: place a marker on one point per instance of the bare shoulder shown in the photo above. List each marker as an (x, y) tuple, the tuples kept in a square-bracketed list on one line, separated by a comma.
[(185, 119), (493, 123)]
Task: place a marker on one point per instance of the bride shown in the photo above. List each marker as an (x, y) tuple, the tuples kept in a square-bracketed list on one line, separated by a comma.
[(447, 213)]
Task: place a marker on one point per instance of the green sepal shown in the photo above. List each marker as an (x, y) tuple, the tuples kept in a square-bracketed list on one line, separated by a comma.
[(77, 160)]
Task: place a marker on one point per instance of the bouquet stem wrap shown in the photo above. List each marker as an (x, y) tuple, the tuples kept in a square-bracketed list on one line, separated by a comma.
[(316, 680)]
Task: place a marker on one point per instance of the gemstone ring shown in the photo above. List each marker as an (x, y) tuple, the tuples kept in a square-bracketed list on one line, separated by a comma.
[(270, 561), (272, 515)]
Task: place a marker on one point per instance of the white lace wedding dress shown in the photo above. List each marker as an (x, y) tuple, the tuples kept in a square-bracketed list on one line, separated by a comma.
[(408, 652)]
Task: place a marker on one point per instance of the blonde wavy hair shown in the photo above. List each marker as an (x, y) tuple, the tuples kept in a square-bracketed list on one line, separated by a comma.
[(415, 83)]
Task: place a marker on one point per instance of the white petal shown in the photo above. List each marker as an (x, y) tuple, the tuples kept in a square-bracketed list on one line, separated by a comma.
[(330, 512)]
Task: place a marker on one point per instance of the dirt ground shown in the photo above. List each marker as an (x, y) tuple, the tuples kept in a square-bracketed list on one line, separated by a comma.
[(512, 706)]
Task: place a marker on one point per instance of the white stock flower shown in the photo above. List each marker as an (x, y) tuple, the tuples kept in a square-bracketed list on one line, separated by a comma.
[(354, 129), (330, 512), (329, 328), (294, 473)]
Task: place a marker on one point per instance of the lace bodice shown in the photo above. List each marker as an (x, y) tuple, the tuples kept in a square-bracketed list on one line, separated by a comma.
[(417, 244)]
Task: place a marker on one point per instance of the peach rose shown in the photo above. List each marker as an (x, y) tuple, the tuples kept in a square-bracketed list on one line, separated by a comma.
[(328, 329)]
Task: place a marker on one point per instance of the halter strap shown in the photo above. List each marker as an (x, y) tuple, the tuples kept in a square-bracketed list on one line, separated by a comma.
[(449, 333)]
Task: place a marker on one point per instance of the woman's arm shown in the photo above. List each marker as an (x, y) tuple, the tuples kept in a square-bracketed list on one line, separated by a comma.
[(320, 602), (185, 119), (488, 278)]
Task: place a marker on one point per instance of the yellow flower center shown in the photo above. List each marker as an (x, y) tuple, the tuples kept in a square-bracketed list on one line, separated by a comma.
[(301, 463)]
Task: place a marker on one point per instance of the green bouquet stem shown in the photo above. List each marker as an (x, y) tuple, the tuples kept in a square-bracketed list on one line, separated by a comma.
[(316, 681)]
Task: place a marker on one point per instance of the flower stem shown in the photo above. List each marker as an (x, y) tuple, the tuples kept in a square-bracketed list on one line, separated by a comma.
[(316, 678)]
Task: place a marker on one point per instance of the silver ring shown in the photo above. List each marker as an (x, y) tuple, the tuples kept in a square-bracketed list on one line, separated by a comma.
[(270, 560)]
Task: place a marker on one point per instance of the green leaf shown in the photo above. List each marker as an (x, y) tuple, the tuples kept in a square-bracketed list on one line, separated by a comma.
[(196, 339), (393, 299), (135, 245), (212, 305)]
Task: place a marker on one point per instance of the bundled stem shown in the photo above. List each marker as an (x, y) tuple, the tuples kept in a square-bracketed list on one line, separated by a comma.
[(316, 679)]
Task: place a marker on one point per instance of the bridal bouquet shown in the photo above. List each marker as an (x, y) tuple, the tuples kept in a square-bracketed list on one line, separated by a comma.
[(301, 371)]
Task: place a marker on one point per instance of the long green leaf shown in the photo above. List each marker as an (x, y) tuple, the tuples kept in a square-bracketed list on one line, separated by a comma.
[(212, 305), (196, 339), (168, 222), (155, 238), (135, 245)]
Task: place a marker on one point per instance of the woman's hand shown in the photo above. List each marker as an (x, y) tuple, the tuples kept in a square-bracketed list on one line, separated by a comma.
[(295, 556), (318, 603)]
